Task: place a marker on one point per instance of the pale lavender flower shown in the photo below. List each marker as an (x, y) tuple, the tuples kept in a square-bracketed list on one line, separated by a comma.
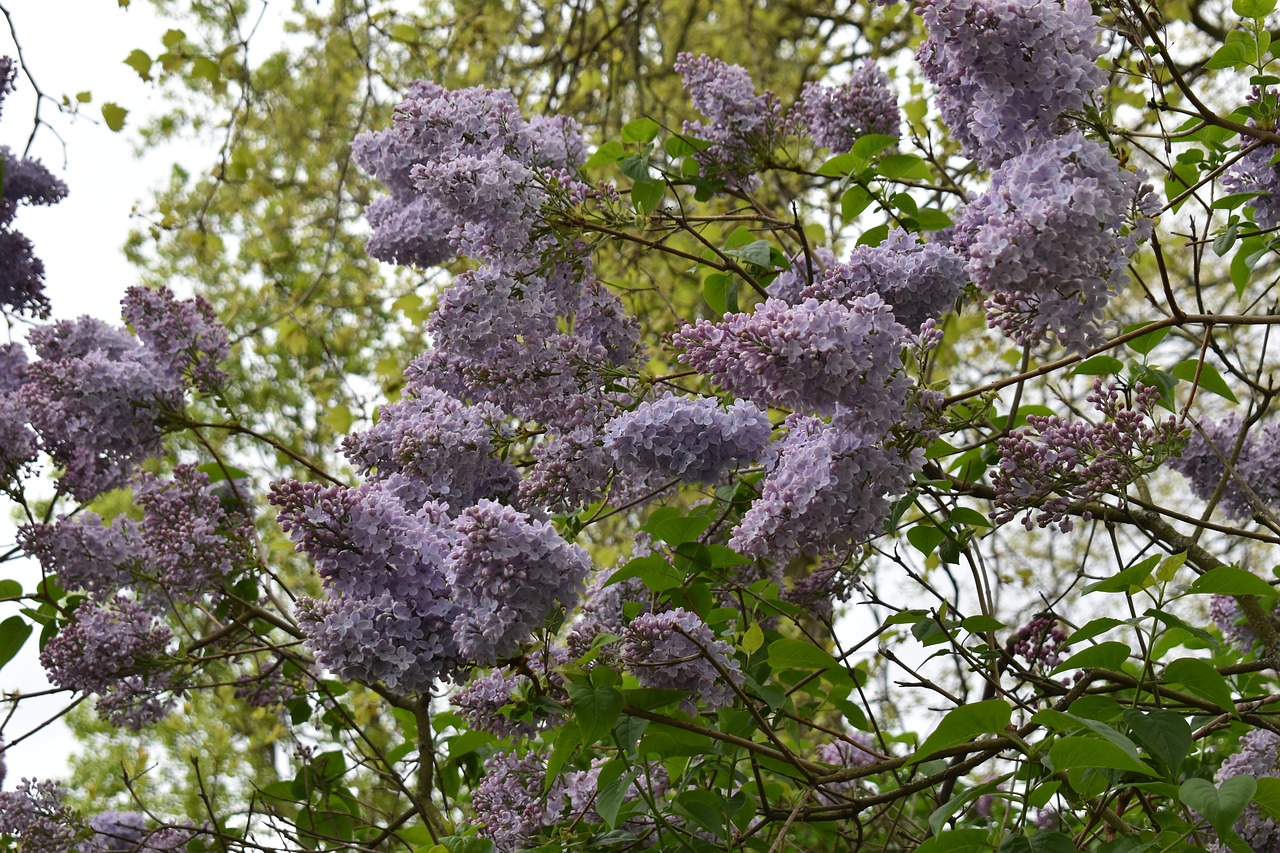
[(570, 469), (1204, 458), (510, 803), (182, 335), (1257, 758), (836, 116), (35, 815), (675, 650), (85, 553), (743, 125)]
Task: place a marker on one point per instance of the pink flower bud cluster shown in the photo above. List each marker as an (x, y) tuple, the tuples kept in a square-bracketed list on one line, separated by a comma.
[(1041, 642)]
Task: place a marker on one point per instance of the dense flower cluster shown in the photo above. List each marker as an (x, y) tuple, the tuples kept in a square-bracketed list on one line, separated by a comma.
[(1050, 240), (743, 125), (35, 815), (1253, 480), (675, 650), (570, 469), (85, 553), (1041, 642), (919, 281), (1006, 72), (1071, 462), (603, 612), (183, 336), (1259, 757), (510, 803), (482, 702), (508, 574), (813, 357), (836, 116), (23, 180), (827, 493), (695, 440)]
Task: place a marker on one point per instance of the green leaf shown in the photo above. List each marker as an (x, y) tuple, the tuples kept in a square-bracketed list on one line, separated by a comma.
[(1253, 8), (1210, 378), (1201, 679), (1231, 202), (904, 167), (1251, 249), (653, 570), (10, 589), (607, 154), (597, 710), (1083, 751), (610, 792), (872, 144), (1099, 365), (640, 130), (715, 289), (1165, 734), (1093, 628), (965, 723), (752, 638), (855, 200), (1144, 344), (969, 517), (1044, 841), (647, 195), (567, 742), (981, 624), (1268, 795), (1223, 804), (1228, 580), (756, 252), (1230, 55), (944, 813), (14, 631), (140, 62), (113, 115), (1102, 656), (671, 525), (932, 219), (957, 841), (636, 168), (404, 33), (798, 654), (924, 538), (1130, 580), (874, 236)]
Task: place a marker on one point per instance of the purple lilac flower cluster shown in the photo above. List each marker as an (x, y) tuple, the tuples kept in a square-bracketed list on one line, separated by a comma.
[(602, 612), (510, 802), (183, 336), (814, 357), (35, 815), (803, 270), (1254, 480), (919, 281), (24, 181), (836, 116), (1050, 240), (1006, 72), (570, 469), (1229, 619), (1041, 642), (1254, 172), (858, 749), (1259, 757), (85, 553), (675, 650), (828, 491), (126, 832), (743, 127), (508, 573), (482, 702), (116, 650), (1060, 463), (695, 440)]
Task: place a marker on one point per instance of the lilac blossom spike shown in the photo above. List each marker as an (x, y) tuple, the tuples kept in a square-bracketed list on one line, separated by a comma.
[(743, 125), (675, 650), (836, 116)]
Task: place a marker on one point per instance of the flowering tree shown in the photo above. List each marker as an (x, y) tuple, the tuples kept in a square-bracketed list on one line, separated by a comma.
[(765, 552)]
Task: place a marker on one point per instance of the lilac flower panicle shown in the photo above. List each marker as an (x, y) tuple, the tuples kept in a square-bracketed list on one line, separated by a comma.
[(694, 440), (1207, 451), (836, 116), (1065, 462), (1050, 241), (570, 470), (508, 573), (603, 324), (481, 702), (509, 802), (183, 335), (1230, 621), (1006, 72), (35, 815), (1254, 172), (675, 650), (814, 357), (443, 447), (25, 180), (802, 271), (1257, 758), (919, 281), (85, 553), (743, 125), (1041, 642), (827, 493)]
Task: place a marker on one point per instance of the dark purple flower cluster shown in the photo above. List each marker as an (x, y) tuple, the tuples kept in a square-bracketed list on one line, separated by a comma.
[(1065, 463), (35, 815), (744, 126), (1041, 642), (441, 448), (827, 493), (693, 439), (508, 574), (835, 116), (118, 651), (1050, 240), (675, 650), (919, 281), (22, 180), (1006, 72), (1259, 757), (183, 336), (1253, 482), (814, 357)]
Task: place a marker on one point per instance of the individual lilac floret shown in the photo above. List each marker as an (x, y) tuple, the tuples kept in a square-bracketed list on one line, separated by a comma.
[(919, 281), (692, 439), (1066, 463), (118, 651), (743, 125), (1210, 448), (814, 357), (442, 447), (1050, 241), (1007, 71), (510, 803), (828, 492), (675, 650), (837, 115), (1258, 757), (1041, 642), (35, 815), (96, 399), (508, 574), (183, 335)]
